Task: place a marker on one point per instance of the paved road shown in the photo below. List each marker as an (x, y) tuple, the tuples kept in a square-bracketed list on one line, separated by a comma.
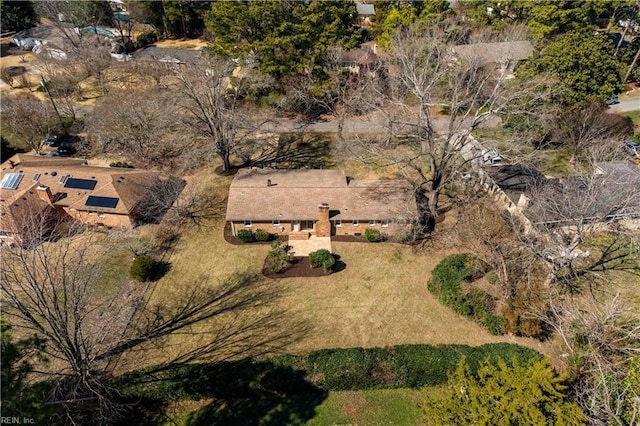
[(626, 105), (366, 125), (369, 125)]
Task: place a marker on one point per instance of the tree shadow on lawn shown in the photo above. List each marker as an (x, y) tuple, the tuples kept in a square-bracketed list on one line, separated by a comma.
[(244, 392)]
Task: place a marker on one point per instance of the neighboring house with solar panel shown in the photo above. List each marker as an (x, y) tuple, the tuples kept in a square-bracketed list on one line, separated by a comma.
[(66, 188), (321, 203)]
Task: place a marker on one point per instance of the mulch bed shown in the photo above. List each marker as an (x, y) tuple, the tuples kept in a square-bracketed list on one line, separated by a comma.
[(300, 268)]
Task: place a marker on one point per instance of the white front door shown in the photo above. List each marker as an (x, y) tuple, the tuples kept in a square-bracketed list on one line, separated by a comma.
[(296, 225)]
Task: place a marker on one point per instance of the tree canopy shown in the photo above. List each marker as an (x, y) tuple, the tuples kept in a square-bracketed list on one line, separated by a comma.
[(583, 63), (503, 394), (287, 37), (17, 15)]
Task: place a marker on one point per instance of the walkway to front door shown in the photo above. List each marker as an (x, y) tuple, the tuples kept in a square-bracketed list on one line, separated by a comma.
[(304, 247)]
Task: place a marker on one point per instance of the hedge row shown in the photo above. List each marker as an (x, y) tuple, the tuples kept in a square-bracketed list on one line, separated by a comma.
[(406, 366), (447, 283)]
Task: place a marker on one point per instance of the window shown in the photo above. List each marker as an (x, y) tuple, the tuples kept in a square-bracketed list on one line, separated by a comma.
[(355, 222), (337, 223), (372, 223), (385, 223), (247, 224), (275, 222), (100, 214)]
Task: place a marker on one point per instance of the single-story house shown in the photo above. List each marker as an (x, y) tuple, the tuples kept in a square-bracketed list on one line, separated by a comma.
[(609, 194), (365, 12), (171, 57), (41, 35), (363, 57), (506, 56), (32, 185), (301, 203)]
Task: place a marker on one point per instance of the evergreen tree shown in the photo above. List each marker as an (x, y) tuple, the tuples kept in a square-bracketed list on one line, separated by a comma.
[(583, 63), (503, 394), (17, 15)]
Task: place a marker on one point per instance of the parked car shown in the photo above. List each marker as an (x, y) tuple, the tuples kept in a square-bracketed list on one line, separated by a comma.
[(612, 101), (491, 157), (632, 148), (52, 140), (66, 148)]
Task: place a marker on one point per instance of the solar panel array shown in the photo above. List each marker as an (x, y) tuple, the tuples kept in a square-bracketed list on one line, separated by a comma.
[(11, 181), (75, 183), (107, 202)]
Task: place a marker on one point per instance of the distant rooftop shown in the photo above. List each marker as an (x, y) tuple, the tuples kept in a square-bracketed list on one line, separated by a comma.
[(499, 53), (365, 9)]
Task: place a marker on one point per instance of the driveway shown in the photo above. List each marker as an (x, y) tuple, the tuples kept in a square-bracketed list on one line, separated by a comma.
[(626, 105)]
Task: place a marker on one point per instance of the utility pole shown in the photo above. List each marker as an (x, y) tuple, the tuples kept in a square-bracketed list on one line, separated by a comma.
[(46, 88)]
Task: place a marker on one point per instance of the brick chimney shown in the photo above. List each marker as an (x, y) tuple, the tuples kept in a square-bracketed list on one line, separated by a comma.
[(45, 194), (323, 226)]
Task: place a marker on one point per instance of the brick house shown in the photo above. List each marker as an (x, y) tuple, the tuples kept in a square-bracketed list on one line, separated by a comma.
[(322, 203), (66, 188)]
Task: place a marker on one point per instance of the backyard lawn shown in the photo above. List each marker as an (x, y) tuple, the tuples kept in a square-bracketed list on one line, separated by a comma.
[(379, 299)]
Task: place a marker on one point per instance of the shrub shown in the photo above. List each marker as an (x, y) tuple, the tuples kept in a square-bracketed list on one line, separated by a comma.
[(372, 235), (279, 257), (493, 323), (403, 236), (405, 366), (121, 164), (146, 38), (246, 235), (328, 264), (318, 257), (143, 268), (262, 235), (447, 282)]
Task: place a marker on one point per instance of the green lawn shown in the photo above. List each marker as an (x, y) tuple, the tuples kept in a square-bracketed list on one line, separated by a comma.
[(372, 407), (635, 117)]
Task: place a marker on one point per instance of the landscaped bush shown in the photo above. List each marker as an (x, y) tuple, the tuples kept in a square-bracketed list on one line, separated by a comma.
[(121, 164), (403, 236), (279, 257), (372, 235), (447, 280), (146, 38), (262, 235), (143, 268), (246, 235), (328, 264), (318, 257), (405, 366)]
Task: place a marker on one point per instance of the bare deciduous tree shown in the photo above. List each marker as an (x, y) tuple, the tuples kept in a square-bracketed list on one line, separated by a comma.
[(142, 125), (424, 76), (587, 130), (568, 212), (28, 120), (600, 338), (55, 290), (70, 17), (210, 92)]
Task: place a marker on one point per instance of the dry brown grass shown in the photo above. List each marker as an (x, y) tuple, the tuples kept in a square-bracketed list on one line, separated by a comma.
[(380, 299)]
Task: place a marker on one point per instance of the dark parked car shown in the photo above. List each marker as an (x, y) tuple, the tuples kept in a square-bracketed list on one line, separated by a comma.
[(66, 148), (52, 140)]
